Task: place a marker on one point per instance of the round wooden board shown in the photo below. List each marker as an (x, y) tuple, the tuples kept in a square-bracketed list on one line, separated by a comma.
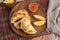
[(40, 11)]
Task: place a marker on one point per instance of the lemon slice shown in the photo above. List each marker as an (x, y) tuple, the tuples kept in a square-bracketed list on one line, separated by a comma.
[(8, 1), (39, 23), (39, 17)]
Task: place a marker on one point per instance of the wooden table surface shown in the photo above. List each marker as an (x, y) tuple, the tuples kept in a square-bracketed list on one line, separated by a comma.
[(6, 35)]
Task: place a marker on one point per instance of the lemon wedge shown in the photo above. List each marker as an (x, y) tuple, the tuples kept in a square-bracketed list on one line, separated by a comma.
[(39, 23), (8, 1), (39, 17)]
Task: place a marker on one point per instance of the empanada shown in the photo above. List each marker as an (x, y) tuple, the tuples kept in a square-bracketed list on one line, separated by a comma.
[(17, 25), (17, 15), (27, 27), (22, 19), (8, 1)]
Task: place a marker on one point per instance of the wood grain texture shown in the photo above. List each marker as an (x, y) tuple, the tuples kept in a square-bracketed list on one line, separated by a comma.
[(38, 38), (41, 11), (44, 37)]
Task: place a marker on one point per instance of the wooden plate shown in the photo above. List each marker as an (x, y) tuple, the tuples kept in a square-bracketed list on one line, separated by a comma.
[(40, 11)]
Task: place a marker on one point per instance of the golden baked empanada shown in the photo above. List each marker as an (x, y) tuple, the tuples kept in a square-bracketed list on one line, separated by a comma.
[(17, 25), (8, 1), (27, 27), (22, 19), (17, 15)]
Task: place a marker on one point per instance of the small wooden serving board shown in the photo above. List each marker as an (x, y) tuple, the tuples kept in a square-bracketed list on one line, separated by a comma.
[(40, 11)]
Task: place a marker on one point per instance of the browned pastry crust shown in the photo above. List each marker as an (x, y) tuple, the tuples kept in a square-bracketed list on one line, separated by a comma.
[(23, 23)]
